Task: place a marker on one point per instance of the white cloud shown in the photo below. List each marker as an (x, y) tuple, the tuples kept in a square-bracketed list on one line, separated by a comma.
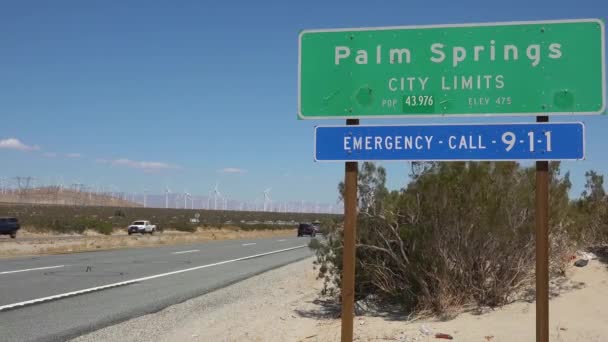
[(144, 165), (73, 155), (15, 144), (231, 170), (50, 154)]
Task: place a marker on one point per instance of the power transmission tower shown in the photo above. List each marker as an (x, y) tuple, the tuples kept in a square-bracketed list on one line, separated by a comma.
[(23, 184)]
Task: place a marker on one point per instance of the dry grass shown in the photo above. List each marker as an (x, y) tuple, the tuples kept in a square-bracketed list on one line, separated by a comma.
[(36, 244)]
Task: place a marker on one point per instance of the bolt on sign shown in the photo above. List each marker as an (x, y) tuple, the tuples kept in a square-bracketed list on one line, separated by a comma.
[(518, 68)]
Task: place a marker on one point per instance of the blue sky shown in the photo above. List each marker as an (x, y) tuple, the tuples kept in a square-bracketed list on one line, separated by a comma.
[(148, 94)]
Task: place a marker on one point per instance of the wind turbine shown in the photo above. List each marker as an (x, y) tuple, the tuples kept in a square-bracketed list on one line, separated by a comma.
[(186, 194), (267, 199), (112, 188), (216, 193), (145, 198), (167, 192)]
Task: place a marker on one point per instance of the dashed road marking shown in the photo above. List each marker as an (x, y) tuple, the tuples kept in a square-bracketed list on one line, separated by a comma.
[(32, 269), (138, 280), (190, 251)]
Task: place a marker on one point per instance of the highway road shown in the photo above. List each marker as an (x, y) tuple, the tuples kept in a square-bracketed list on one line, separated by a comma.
[(57, 297)]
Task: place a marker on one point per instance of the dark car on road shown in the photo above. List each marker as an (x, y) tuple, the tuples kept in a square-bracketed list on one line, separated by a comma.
[(9, 226), (307, 229)]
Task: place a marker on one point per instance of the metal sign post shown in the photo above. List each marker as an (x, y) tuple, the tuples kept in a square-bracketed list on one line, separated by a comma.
[(542, 247), (351, 171)]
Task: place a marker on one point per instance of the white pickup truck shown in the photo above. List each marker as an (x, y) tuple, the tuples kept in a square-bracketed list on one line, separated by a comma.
[(142, 227)]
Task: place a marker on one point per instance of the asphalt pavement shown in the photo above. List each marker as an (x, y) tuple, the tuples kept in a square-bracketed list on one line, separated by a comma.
[(58, 297)]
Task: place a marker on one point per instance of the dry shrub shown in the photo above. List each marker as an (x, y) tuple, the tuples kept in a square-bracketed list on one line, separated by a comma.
[(460, 234)]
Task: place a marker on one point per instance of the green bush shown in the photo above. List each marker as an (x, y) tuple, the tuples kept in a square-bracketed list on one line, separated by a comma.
[(79, 226), (183, 226), (105, 228), (314, 244), (262, 226), (327, 225)]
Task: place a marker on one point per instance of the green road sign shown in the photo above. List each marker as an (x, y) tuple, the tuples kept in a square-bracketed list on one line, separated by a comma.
[(516, 68)]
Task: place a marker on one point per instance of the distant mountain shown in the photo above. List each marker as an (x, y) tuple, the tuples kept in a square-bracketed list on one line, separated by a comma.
[(57, 195)]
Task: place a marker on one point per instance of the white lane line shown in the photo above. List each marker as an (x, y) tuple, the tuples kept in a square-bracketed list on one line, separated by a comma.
[(248, 244), (32, 269), (191, 251), (129, 282), (281, 240)]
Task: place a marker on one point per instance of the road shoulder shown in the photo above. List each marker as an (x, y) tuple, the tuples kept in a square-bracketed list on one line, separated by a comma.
[(259, 308), (284, 305)]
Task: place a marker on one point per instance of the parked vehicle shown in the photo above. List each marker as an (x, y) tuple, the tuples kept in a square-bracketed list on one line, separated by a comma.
[(306, 229), (9, 226), (141, 227)]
